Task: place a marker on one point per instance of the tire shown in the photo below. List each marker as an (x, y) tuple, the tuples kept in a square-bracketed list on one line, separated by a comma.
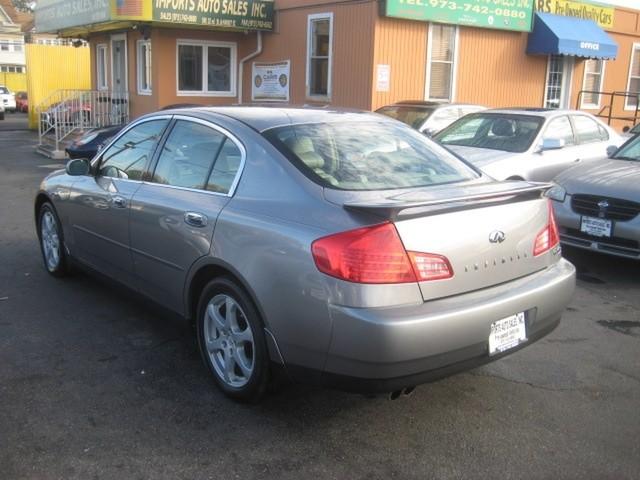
[(52, 242), (233, 347), (2, 116)]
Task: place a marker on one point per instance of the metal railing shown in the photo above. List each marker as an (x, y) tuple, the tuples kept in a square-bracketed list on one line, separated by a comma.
[(66, 112), (607, 110)]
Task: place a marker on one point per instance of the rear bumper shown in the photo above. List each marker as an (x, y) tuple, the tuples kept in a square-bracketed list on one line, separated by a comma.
[(385, 349)]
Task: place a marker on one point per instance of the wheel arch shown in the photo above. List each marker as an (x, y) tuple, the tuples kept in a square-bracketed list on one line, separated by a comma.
[(41, 199), (208, 268)]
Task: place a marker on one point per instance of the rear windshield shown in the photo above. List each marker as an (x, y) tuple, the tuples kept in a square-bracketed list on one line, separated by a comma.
[(367, 156), (494, 131), (412, 116)]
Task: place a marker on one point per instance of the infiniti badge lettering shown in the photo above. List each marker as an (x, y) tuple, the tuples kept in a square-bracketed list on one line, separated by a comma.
[(496, 236)]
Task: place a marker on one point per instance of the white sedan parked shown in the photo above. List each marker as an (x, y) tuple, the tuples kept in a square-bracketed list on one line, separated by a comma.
[(530, 143)]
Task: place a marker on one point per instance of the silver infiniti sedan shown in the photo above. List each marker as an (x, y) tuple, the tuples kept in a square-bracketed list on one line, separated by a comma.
[(532, 144), (598, 206), (345, 247)]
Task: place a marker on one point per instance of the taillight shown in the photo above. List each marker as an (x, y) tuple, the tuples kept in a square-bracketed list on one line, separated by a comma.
[(429, 266), (548, 237), (375, 255)]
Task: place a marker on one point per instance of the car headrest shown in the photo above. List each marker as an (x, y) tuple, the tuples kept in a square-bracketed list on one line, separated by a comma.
[(503, 128), (299, 145), (312, 160)]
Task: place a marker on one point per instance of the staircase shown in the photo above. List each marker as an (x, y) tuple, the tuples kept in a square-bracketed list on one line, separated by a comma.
[(67, 114)]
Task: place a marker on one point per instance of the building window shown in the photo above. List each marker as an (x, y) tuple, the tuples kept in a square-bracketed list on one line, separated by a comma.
[(17, 47), (633, 84), (592, 82), (319, 50), (101, 67), (441, 62), (4, 46), (144, 67), (206, 68)]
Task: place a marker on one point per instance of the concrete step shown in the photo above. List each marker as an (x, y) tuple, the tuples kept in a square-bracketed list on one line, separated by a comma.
[(50, 151)]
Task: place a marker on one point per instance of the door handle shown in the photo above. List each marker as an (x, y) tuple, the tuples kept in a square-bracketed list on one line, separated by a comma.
[(576, 160), (119, 202), (195, 219)]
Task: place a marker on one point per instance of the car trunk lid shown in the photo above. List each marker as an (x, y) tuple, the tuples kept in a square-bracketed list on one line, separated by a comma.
[(487, 231)]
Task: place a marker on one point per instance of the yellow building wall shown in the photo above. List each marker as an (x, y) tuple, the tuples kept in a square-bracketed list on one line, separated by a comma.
[(54, 67), (16, 82)]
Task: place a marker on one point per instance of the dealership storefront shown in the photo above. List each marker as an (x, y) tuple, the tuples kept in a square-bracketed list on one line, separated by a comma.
[(360, 54)]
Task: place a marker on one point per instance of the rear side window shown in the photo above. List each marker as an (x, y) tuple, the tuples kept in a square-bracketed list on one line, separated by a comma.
[(368, 156), (588, 130), (187, 156), (199, 157), (560, 128)]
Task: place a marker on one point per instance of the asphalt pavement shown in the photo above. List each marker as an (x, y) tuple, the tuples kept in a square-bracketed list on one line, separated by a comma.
[(97, 384)]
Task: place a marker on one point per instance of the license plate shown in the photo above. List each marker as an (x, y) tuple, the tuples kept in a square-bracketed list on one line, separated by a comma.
[(507, 333), (597, 227)]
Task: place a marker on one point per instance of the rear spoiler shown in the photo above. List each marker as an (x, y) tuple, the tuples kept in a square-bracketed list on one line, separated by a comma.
[(397, 208)]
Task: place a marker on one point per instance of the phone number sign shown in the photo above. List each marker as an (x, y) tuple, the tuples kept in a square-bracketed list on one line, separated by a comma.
[(499, 14)]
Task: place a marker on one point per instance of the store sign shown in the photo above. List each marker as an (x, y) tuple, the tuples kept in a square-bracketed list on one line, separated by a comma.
[(499, 14), (54, 15), (601, 14), (270, 81), (241, 14)]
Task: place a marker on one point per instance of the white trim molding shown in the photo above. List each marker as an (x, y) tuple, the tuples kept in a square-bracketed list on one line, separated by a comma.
[(204, 92), (454, 65), (310, 19), (635, 50), (144, 68), (115, 38), (592, 106)]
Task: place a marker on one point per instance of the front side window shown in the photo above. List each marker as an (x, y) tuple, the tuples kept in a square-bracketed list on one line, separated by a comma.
[(367, 155), (144, 67), (505, 132), (441, 57), (319, 45), (633, 84), (206, 68), (560, 128), (101, 67), (588, 130), (128, 156), (592, 83)]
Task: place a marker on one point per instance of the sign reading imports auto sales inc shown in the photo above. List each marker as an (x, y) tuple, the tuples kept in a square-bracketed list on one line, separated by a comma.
[(241, 14), (499, 14), (270, 81)]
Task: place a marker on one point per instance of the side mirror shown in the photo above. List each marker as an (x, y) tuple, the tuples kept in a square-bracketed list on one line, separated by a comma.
[(611, 150), (552, 144), (77, 167)]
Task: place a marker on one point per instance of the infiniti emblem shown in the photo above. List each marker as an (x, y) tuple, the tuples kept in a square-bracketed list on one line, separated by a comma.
[(497, 236)]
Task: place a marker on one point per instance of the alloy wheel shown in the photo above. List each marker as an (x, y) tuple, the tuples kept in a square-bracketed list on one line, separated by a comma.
[(229, 341), (50, 239)]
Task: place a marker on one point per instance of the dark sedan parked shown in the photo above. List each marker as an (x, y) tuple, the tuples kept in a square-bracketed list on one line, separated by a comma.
[(88, 145)]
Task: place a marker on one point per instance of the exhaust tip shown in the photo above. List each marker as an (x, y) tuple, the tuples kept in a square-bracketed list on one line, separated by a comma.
[(408, 391), (395, 394)]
